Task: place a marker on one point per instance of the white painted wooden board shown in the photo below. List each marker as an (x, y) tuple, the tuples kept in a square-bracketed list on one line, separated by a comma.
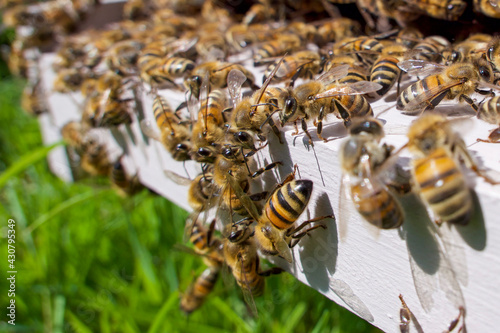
[(364, 273)]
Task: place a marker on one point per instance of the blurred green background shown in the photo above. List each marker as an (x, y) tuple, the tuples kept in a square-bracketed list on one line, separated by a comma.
[(88, 260)]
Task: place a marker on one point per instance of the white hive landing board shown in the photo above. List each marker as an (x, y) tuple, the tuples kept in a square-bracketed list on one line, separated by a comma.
[(363, 272)]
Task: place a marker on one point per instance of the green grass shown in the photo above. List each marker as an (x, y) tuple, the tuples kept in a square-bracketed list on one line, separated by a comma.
[(89, 260)]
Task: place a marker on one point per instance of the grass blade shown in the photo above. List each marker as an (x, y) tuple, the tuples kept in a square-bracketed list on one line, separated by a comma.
[(230, 314), (61, 207), (26, 161), (172, 301)]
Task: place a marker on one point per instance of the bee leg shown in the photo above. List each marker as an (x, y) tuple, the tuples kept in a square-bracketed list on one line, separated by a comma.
[(296, 238), (304, 128), (463, 154), (259, 196), (292, 231), (271, 271), (266, 168), (455, 321), (319, 126), (494, 136), (404, 316), (275, 129), (296, 129), (469, 101)]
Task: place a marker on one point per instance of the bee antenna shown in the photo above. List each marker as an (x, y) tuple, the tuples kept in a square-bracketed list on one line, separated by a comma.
[(268, 118)]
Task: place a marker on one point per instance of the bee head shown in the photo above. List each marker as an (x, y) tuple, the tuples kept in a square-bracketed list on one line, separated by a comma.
[(182, 152), (289, 110)]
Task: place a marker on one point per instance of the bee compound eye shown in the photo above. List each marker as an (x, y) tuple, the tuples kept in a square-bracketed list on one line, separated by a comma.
[(204, 152), (485, 73), (181, 146), (242, 136)]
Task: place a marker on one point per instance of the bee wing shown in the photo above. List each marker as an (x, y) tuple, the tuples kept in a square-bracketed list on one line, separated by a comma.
[(283, 249), (176, 178), (235, 80), (421, 101), (247, 292), (335, 73), (181, 45), (244, 198), (344, 212), (297, 64), (357, 88), (345, 292), (268, 80), (150, 130), (420, 68)]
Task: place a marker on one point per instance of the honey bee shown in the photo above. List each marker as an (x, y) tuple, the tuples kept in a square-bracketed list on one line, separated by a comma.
[(232, 163), (361, 158), (437, 177), (450, 10), (162, 71), (122, 57), (217, 73), (201, 192), (316, 99), (208, 132), (250, 114), (124, 184), (493, 56), (240, 36), (174, 133), (33, 98), (94, 157), (336, 29), (430, 49), (68, 80), (300, 64), (468, 50), (197, 293), (275, 232), (455, 81), (240, 254), (73, 133), (385, 70), (210, 248), (366, 48), (259, 12), (489, 111), (489, 8), (278, 46)]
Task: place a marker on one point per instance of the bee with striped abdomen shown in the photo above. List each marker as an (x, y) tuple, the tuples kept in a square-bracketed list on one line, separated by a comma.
[(275, 232), (316, 99), (362, 158), (436, 172), (490, 8), (489, 111), (174, 132), (458, 80)]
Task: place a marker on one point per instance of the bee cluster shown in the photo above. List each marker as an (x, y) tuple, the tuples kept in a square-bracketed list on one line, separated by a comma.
[(198, 63)]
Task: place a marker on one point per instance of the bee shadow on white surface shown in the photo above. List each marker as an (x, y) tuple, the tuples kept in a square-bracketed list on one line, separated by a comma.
[(280, 152), (474, 233), (422, 245), (319, 249)]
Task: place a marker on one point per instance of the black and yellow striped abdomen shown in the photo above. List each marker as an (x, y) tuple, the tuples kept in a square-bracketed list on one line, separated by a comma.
[(442, 187), (287, 203), (199, 291), (385, 71), (162, 112), (352, 106), (377, 205), (489, 111), (177, 66), (419, 88)]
